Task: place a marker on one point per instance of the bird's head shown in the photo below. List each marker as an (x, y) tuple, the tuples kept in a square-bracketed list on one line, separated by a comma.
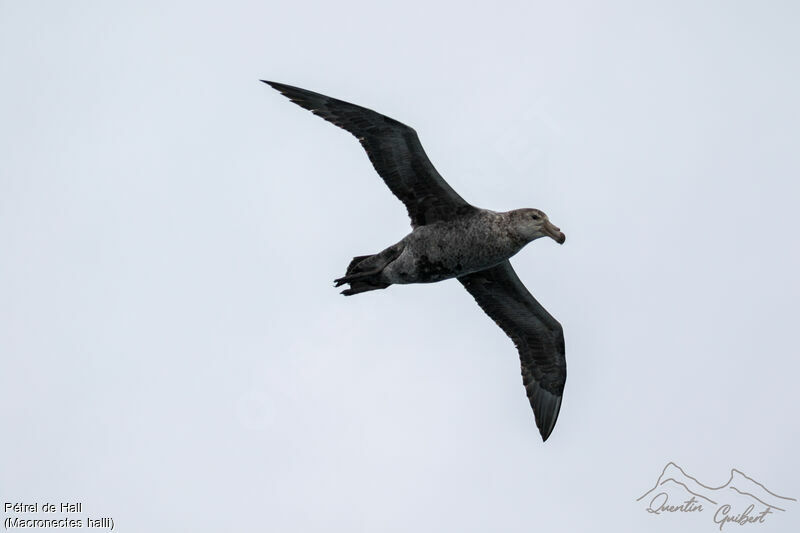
[(532, 224)]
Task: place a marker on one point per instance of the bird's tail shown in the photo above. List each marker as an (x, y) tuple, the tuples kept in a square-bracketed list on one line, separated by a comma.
[(364, 272)]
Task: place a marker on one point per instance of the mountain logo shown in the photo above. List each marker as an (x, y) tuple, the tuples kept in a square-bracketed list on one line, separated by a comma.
[(741, 500)]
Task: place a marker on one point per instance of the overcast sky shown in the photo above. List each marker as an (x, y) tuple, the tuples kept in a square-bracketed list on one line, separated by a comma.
[(173, 353)]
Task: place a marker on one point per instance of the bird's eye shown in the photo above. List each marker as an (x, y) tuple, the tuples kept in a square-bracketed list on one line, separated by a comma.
[(535, 217)]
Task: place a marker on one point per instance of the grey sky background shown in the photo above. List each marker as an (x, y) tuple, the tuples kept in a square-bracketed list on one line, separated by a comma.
[(174, 354)]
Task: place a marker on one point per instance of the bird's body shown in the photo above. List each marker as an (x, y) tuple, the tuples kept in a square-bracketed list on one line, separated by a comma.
[(453, 239), (453, 248)]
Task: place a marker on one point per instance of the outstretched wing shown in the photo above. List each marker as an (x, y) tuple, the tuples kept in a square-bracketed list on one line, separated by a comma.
[(394, 150), (538, 336)]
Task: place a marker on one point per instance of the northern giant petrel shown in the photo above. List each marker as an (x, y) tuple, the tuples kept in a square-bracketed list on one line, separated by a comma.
[(453, 239)]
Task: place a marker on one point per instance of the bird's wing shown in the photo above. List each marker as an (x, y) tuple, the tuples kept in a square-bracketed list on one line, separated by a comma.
[(394, 150), (538, 336)]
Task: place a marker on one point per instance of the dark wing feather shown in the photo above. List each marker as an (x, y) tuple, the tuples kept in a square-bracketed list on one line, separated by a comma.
[(394, 150), (538, 336)]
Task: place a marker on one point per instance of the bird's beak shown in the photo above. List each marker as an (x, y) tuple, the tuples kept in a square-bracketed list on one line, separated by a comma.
[(554, 232)]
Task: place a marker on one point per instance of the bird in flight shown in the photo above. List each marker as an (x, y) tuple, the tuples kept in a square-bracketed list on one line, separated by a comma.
[(453, 239)]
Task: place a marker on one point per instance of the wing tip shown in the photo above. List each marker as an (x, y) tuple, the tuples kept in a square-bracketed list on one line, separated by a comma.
[(546, 407), (275, 85), (312, 101)]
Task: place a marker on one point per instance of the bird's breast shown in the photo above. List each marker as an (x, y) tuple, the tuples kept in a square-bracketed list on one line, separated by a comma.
[(442, 251)]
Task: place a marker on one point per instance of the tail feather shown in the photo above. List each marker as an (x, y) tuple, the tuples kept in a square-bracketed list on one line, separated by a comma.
[(354, 263), (364, 272)]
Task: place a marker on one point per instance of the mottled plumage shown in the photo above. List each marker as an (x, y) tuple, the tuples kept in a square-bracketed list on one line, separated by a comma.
[(453, 239)]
